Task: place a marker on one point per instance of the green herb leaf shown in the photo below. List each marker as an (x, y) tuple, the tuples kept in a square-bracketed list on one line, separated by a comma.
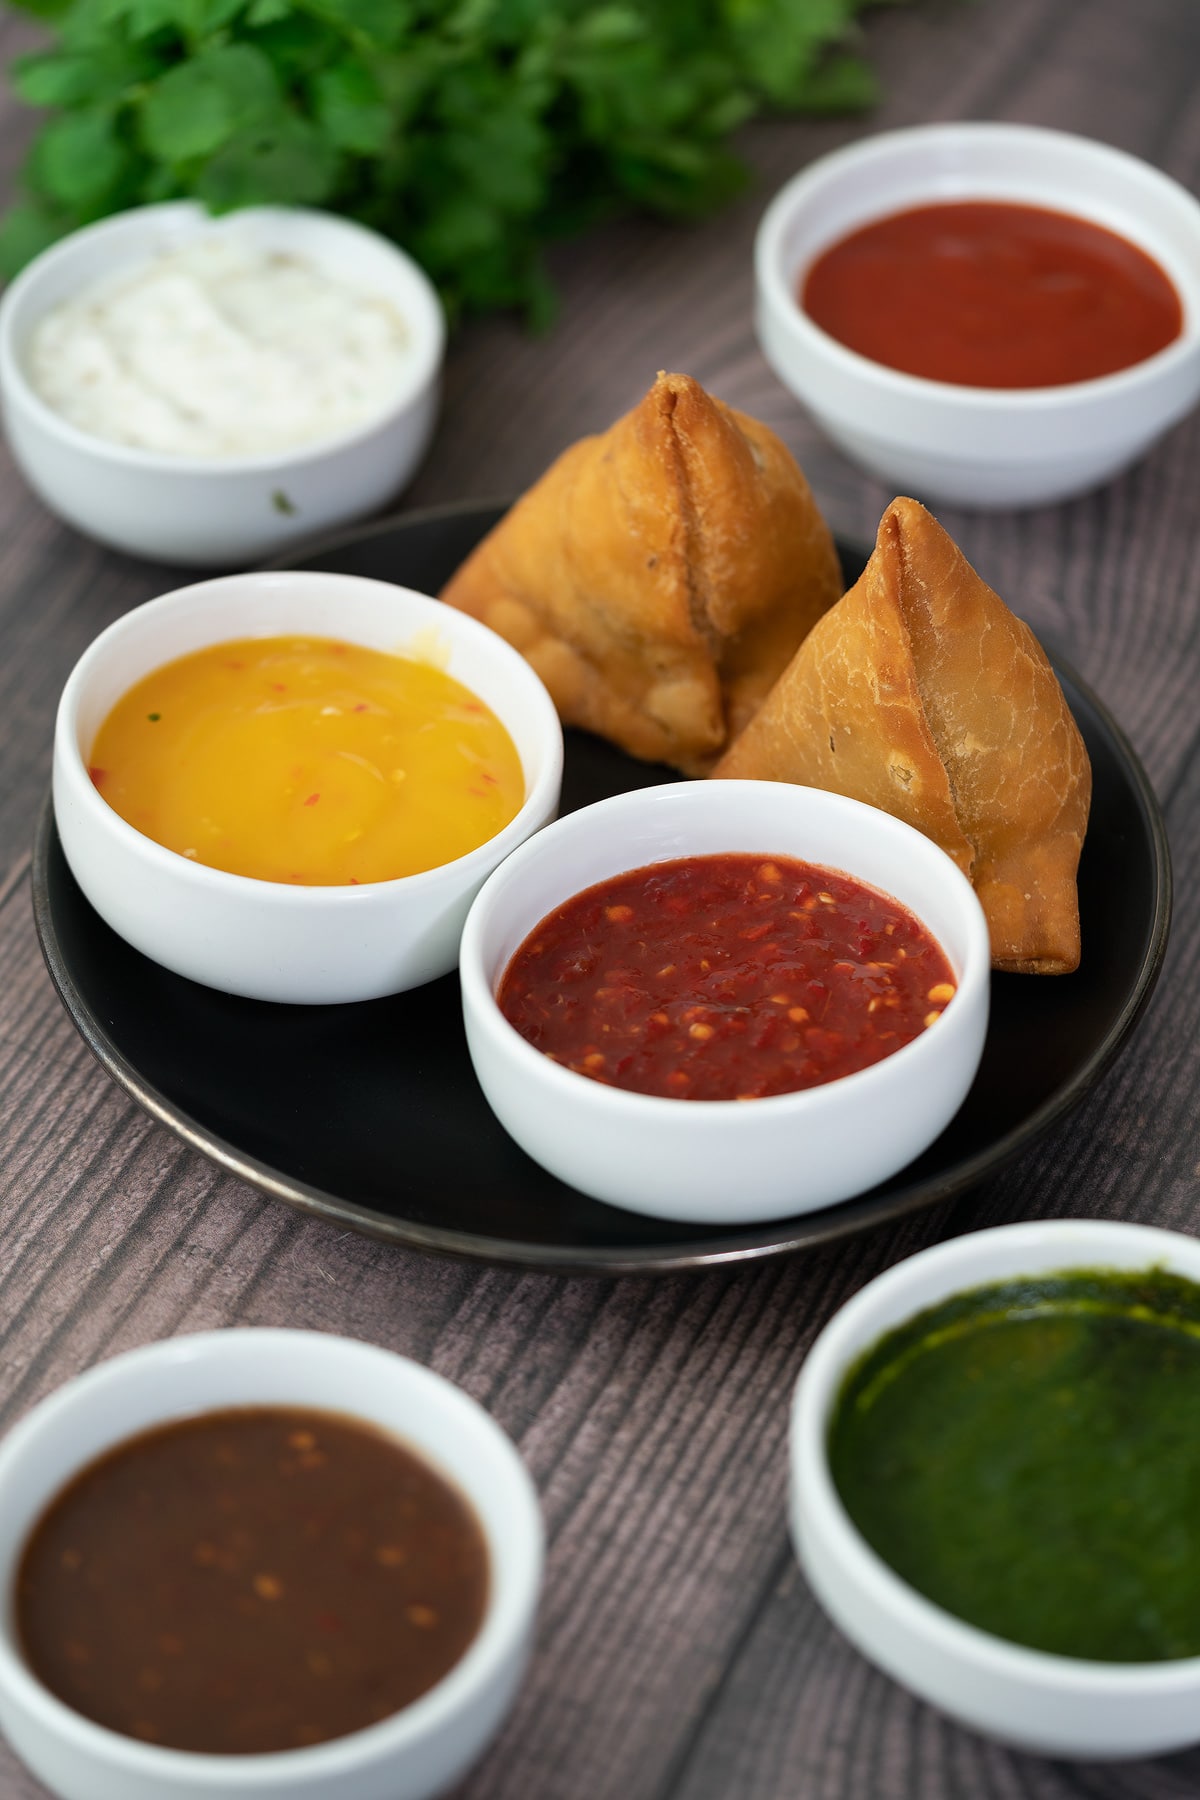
[(49, 10), (609, 27), (781, 44), (841, 84), (472, 131), (351, 108), (379, 21), (79, 158), (216, 14), (287, 162), (25, 232), (494, 142), (54, 80), (186, 114), (158, 182), (298, 46), (193, 21), (200, 105)]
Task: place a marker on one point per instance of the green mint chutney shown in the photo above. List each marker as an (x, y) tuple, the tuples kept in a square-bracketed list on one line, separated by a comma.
[(1027, 1455)]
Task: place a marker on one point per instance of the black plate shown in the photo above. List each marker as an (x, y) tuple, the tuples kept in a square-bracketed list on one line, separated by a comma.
[(370, 1114)]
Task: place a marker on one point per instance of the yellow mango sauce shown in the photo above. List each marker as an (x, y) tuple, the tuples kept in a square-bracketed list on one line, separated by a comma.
[(308, 761)]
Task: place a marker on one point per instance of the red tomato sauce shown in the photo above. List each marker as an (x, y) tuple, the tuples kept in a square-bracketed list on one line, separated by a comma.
[(725, 978), (989, 294)]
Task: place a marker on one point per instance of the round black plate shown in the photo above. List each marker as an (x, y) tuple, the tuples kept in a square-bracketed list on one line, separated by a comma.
[(370, 1114)]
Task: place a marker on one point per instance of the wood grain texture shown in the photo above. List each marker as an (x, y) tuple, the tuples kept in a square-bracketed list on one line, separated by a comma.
[(680, 1656)]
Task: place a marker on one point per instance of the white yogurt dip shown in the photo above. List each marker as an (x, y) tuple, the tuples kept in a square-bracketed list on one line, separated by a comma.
[(220, 350)]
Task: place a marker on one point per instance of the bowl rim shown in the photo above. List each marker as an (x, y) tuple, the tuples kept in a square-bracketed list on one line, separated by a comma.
[(833, 1353), (776, 294), (426, 324), (511, 1606), (535, 698), (479, 993)]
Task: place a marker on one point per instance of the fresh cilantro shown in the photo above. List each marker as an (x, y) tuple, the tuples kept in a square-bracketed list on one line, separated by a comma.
[(471, 131), (196, 108)]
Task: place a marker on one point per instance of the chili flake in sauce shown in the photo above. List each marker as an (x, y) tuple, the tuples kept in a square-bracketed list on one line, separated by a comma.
[(725, 978), (251, 1580)]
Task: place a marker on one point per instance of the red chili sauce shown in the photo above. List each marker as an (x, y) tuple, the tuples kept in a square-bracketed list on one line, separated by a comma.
[(251, 1580), (725, 978), (988, 294)]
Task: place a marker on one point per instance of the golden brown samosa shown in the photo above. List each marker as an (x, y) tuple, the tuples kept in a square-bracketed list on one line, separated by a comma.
[(659, 576), (921, 693)]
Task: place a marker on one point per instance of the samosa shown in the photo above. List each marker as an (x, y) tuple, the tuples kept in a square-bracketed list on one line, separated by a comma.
[(660, 575), (922, 694)]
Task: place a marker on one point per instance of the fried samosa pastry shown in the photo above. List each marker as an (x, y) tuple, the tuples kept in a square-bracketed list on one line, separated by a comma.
[(922, 694), (660, 575)]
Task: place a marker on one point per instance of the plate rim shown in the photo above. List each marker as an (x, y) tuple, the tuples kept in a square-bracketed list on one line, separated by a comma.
[(809, 1229)]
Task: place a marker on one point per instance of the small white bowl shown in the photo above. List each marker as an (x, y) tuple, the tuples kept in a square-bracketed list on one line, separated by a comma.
[(716, 1161), (986, 447), (1053, 1705), (263, 939), (415, 1753), (225, 511)]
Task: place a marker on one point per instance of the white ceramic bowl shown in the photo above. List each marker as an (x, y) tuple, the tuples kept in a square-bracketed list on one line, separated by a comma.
[(226, 511), (716, 1161), (263, 939), (1054, 1705), (417, 1752), (987, 447)]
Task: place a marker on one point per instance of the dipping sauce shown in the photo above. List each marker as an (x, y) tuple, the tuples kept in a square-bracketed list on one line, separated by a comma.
[(218, 350), (1027, 1455), (725, 978), (251, 1580), (308, 760), (989, 294)]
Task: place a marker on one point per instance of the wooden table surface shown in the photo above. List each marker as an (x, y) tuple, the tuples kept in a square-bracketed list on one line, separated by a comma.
[(680, 1655)]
